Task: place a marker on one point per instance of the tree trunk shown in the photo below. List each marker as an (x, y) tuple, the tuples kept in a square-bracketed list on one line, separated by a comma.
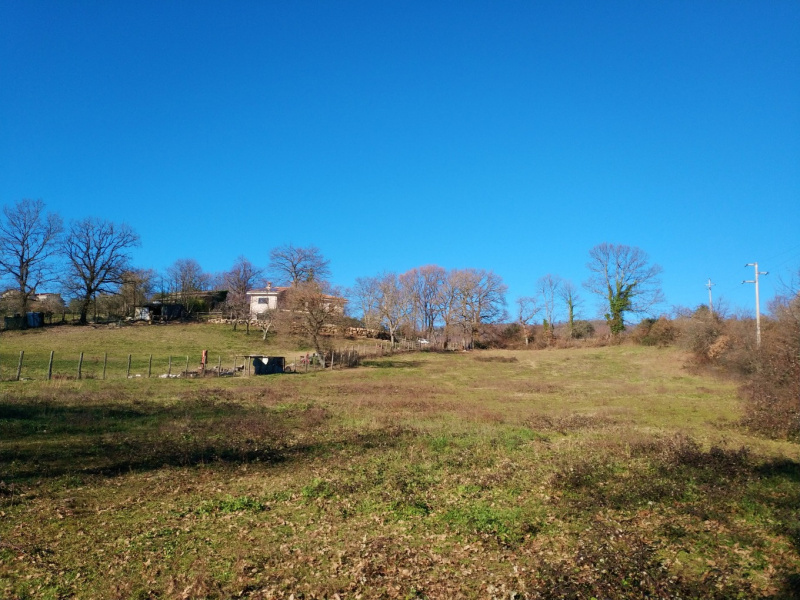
[(84, 310), (571, 317)]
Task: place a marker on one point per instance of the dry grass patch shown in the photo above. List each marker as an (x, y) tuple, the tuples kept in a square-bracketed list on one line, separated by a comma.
[(432, 476)]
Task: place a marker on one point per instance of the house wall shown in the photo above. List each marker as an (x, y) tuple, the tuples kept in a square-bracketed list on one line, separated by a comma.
[(260, 303)]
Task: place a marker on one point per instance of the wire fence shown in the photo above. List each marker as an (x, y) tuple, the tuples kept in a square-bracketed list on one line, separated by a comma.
[(43, 365)]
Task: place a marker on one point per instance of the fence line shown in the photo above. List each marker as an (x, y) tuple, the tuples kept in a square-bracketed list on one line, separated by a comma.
[(48, 365)]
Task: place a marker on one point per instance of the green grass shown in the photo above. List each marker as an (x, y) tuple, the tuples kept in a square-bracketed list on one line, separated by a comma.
[(154, 349), (608, 473)]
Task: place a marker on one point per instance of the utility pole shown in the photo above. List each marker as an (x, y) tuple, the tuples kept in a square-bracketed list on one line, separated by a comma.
[(758, 311), (710, 303)]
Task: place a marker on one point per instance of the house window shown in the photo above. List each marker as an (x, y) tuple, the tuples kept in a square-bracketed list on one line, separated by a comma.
[(263, 300)]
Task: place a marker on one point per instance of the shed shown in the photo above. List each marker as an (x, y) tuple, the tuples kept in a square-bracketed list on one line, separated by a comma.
[(268, 365)]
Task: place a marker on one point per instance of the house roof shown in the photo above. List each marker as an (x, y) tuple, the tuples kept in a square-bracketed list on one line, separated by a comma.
[(265, 291)]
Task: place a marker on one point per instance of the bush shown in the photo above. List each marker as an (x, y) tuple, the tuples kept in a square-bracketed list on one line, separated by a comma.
[(582, 330), (700, 332), (772, 393), (659, 332), (770, 374)]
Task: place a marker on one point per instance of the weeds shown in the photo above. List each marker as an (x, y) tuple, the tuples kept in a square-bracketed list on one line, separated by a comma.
[(588, 473)]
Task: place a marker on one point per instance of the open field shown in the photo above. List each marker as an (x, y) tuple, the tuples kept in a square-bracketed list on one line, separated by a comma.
[(608, 473)]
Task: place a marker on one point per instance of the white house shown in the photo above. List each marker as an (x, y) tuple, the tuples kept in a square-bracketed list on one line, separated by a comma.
[(270, 298), (263, 300)]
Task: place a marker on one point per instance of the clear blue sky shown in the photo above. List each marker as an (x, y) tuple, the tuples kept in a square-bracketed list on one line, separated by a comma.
[(510, 136)]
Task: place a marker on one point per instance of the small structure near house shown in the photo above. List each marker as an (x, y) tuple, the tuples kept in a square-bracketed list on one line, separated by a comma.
[(29, 320), (35, 319), (267, 365), (158, 311)]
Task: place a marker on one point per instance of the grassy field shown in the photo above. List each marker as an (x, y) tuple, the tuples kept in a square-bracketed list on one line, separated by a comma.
[(157, 348), (607, 473)]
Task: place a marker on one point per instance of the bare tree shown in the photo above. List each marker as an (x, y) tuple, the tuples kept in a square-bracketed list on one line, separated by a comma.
[(97, 254), (365, 294), (293, 265), (185, 278), (527, 309), (623, 276), (449, 301), (137, 286), (312, 306), (394, 306), (242, 278), (568, 293), (482, 298), (421, 285), (29, 240), (547, 287)]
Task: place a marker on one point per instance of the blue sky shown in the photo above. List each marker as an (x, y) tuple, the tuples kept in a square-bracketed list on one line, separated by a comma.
[(506, 136)]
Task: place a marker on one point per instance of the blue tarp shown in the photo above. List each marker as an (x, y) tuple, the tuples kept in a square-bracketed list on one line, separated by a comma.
[(35, 319)]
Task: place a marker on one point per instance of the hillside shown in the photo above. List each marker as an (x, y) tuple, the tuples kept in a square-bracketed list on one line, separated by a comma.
[(609, 472)]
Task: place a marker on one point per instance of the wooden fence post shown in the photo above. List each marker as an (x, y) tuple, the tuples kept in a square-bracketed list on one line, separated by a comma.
[(50, 366), (80, 365), (105, 363), (169, 368), (150, 366), (19, 366), (187, 366), (219, 366), (128, 372)]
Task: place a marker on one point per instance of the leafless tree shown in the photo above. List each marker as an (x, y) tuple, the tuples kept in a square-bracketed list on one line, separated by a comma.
[(568, 293), (293, 265), (29, 240), (97, 254), (311, 306), (265, 321), (421, 285), (547, 288), (394, 306), (185, 278), (482, 298), (242, 278), (365, 295), (137, 286), (527, 309), (623, 276), (449, 301)]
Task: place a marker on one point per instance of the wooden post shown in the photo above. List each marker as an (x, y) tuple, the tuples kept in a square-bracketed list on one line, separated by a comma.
[(105, 362), (50, 366), (150, 366), (19, 366), (169, 368), (219, 366), (128, 372), (80, 365), (187, 366)]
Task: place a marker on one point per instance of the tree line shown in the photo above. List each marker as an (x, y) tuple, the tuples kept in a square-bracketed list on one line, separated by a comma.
[(91, 258)]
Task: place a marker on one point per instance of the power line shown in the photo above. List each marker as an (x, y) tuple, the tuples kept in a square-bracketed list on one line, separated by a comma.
[(758, 312), (709, 285)]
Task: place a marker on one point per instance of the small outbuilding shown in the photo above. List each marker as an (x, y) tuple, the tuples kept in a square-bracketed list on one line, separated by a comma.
[(268, 365)]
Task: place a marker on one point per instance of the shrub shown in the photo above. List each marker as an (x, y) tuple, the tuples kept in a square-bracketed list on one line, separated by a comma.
[(772, 393), (659, 332), (699, 333), (582, 330)]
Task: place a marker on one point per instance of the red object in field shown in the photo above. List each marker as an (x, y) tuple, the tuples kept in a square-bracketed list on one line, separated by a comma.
[(204, 359)]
